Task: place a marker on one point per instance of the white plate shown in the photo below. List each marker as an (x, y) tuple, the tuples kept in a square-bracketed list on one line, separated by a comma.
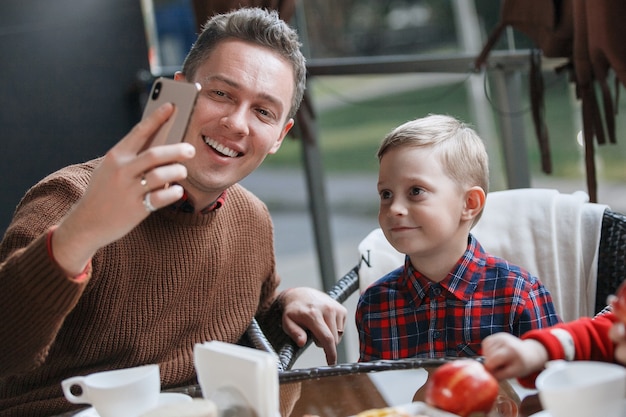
[(547, 414), (164, 398), (419, 407)]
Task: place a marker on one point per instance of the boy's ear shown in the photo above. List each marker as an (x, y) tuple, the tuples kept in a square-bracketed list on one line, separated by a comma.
[(474, 202)]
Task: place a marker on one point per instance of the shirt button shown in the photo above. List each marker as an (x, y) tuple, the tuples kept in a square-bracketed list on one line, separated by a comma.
[(436, 291), (437, 334)]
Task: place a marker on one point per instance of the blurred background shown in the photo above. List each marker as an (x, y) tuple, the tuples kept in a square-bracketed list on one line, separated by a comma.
[(74, 76)]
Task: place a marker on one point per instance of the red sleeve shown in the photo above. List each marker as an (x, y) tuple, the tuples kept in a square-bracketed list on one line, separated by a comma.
[(83, 276), (590, 336)]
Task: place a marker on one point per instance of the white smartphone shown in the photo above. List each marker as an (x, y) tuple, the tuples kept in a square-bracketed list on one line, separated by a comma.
[(183, 96)]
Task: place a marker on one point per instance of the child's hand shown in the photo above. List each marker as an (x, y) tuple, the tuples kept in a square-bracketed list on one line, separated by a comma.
[(617, 333), (507, 356), (618, 302)]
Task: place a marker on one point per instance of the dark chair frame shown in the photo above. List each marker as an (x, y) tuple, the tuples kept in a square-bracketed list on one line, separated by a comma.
[(612, 256), (611, 272)]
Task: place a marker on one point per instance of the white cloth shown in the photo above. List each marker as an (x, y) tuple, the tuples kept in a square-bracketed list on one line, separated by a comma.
[(555, 236), (378, 258)]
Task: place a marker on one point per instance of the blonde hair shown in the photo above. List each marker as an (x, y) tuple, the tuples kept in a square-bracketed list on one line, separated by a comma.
[(462, 151)]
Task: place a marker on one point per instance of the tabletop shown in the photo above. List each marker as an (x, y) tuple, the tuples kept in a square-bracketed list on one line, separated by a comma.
[(347, 389)]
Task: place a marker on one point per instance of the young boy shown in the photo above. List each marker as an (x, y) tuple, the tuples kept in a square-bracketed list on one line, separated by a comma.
[(602, 338), (450, 294)]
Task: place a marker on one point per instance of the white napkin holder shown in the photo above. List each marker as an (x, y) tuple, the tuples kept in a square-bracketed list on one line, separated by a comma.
[(223, 366)]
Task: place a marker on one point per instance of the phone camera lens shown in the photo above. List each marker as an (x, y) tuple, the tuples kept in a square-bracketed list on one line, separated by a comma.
[(156, 91)]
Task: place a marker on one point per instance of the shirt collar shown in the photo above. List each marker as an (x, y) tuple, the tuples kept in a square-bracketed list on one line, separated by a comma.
[(184, 205), (461, 281)]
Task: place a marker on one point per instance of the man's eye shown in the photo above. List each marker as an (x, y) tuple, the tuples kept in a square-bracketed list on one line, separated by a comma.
[(416, 191), (384, 195), (266, 114), (217, 94)]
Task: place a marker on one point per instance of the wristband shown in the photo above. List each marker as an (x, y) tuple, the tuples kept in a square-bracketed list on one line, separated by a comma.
[(567, 343), (78, 278)]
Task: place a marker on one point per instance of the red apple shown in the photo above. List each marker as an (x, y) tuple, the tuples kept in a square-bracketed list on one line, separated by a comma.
[(462, 387), (619, 302)]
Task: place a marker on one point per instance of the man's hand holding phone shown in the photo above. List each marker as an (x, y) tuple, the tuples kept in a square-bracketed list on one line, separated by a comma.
[(131, 180)]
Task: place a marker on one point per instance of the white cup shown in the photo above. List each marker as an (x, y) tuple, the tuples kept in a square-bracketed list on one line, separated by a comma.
[(121, 392), (582, 389)]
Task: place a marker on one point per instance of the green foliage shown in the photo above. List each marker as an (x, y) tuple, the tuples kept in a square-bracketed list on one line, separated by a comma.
[(350, 133)]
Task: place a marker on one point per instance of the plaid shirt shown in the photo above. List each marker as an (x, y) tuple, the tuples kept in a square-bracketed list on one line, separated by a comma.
[(405, 315)]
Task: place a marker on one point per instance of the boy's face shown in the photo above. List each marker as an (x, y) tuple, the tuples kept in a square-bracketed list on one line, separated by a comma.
[(421, 207)]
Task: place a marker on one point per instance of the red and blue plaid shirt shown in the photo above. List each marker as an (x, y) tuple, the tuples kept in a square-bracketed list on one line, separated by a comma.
[(405, 315)]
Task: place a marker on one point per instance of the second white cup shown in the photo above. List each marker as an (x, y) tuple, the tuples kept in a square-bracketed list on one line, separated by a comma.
[(582, 389)]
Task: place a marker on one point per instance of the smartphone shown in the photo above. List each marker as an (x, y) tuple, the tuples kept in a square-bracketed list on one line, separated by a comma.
[(182, 95)]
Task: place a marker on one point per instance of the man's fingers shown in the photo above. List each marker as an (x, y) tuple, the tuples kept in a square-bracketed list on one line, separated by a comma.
[(140, 136), (331, 354), (323, 338), (294, 331), (161, 198), (162, 177)]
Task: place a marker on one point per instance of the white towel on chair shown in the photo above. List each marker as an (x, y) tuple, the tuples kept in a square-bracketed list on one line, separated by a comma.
[(555, 236), (378, 258)]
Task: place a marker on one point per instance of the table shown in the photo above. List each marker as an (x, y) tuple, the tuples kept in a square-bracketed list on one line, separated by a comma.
[(346, 389)]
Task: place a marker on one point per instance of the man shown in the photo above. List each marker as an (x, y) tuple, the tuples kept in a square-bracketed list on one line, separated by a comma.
[(135, 257)]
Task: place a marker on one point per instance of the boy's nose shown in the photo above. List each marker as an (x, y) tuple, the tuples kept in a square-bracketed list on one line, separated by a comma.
[(397, 208)]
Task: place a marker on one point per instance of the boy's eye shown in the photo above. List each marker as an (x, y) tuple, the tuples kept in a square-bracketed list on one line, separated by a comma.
[(384, 194), (416, 191)]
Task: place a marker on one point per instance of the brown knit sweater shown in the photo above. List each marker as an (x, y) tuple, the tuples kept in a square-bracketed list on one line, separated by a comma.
[(177, 279)]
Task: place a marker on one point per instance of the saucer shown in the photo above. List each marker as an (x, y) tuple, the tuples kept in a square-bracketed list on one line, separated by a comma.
[(164, 398)]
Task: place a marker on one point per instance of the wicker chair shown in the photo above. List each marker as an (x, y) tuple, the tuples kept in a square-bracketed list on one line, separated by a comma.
[(611, 272), (612, 256)]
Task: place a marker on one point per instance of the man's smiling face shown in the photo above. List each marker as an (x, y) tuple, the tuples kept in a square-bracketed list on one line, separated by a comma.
[(240, 116)]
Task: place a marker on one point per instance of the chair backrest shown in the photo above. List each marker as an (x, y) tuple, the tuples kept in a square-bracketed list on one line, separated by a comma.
[(553, 235), (377, 258)]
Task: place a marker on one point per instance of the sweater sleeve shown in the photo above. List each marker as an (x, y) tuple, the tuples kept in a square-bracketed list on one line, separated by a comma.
[(35, 297), (35, 294), (590, 337)]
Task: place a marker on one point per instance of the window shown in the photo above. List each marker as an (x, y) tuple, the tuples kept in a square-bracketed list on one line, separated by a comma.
[(170, 31)]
